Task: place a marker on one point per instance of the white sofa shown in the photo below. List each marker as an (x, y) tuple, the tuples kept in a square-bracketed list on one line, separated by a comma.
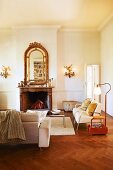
[(36, 127), (80, 116)]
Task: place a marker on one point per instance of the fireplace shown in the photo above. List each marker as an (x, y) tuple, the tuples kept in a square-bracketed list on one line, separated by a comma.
[(35, 98)]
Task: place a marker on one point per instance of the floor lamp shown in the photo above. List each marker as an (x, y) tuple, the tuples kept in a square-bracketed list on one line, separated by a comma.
[(97, 91)]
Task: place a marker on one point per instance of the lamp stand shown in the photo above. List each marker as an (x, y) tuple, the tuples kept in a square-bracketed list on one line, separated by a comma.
[(103, 129), (105, 107), (105, 98)]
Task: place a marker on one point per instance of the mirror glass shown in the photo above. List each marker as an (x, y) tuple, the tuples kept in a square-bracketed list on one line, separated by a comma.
[(36, 65)]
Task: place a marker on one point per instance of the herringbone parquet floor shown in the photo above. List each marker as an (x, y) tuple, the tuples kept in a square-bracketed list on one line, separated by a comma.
[(77, 152)]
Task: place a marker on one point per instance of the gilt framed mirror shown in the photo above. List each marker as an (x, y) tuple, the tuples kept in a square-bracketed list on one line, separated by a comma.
[(35, 65)]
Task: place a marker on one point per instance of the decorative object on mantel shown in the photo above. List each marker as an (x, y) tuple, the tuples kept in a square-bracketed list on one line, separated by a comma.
[(69, 71), (5, 71), (50, 82), (21, 84)]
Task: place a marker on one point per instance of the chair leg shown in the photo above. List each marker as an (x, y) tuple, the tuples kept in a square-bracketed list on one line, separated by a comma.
[(78, 124), (77, 127), (74, 121)]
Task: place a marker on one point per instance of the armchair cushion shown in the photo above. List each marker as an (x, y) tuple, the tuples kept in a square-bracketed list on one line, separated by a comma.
[(91, 108), (98, 109), (85, 104)]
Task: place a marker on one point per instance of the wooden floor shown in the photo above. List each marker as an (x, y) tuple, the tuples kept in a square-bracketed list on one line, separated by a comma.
[(77, 152)]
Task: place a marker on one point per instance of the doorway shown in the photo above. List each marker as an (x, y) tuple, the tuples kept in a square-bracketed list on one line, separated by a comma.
[(92, 78)]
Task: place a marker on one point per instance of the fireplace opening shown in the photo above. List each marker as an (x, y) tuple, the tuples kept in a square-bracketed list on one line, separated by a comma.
[(38, 100), (35, 97)]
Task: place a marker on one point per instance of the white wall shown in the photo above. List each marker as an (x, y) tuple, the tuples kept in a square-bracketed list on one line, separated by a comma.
[(78, 48), (8, 88), (64, 48), (107, 62), (13, 44)]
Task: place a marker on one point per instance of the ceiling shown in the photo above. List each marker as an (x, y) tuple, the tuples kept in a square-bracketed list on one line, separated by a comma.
[(66, 13)]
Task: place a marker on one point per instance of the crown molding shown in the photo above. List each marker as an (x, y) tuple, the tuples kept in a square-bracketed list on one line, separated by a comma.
[(78, 29), (106, 21), (37, 26)]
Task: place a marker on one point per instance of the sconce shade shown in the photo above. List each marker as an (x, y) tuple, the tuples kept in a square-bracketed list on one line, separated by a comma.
[(69, 71)]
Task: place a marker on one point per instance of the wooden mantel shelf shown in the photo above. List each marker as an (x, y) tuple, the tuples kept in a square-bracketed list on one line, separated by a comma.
[(34, 89), (24, 100)]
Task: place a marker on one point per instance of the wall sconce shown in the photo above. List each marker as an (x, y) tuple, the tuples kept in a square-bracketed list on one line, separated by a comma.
[(69, 71), (97, 91), (5, 71)]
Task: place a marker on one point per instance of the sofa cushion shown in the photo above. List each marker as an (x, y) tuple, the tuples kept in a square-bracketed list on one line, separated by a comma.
[(85, 104), (91, 108), (33, 116)]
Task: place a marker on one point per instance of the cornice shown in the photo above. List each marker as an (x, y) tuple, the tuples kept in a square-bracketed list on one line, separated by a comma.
[(37, 26), (105, 22), (78, 30)]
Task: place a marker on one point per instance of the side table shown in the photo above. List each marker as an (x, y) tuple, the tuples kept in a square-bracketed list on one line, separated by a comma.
[(98, 126), (69, 105)]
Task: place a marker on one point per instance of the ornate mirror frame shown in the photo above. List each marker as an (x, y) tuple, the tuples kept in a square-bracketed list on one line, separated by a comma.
[(39, 64)]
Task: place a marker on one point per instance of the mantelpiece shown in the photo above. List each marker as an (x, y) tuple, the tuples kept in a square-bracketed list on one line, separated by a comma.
[(28, 95)]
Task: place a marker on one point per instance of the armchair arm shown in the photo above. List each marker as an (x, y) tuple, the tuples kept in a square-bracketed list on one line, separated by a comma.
[(96, 114), (98, 117)]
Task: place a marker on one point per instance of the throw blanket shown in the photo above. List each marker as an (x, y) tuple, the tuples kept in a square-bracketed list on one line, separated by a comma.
[(11, 127)]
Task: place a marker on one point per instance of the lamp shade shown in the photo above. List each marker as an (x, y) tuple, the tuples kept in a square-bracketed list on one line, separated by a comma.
[(97, 90)]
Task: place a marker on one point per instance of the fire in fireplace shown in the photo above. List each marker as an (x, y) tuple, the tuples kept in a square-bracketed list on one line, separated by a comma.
[(38, 105), (38, 100)]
